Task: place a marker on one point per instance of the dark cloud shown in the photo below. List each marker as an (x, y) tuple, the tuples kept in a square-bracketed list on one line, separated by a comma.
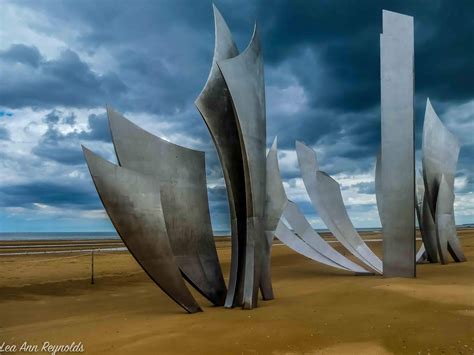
[(365, 187), (52, 118), (466, 162), (58, 153), (65, 148), (70, 120), (19, 53), (7, 114), (4, 134), (163, 58), (64, 81), (343, 39), (49, 193), (158, 56), (346, 37), (98, 129)]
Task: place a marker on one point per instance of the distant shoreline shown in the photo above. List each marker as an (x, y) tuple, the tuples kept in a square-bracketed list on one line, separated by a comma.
[(65, 236), (72, 236)]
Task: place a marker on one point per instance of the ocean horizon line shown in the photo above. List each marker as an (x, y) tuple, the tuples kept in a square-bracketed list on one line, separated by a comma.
[(26, 236), (32, 236)]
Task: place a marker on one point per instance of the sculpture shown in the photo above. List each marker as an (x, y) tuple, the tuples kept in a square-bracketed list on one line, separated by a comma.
[(232, 104), (421, 253), (397, 175), (174, 226), (325, 195), (215, 105), (181, 174), (304, 240), (440, 151), (156, 197), (178, 182), (133, 203)]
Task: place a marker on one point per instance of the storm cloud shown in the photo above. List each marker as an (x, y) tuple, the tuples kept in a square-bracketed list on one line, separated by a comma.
[(62, 62)]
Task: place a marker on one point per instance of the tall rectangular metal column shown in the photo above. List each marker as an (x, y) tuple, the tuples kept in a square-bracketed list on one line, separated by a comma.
[(398, 150)]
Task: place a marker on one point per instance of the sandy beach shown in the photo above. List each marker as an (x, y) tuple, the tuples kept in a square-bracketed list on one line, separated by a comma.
[(49, 297)]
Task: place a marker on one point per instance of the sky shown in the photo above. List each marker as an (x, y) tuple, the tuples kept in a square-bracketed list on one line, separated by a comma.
[(61, 62)]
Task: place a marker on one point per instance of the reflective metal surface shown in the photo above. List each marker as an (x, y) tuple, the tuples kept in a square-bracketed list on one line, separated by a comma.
[(244, 78), (232, 104), (330, 195), (444, 227), (306, 232), (378, 186), (445, 224), (290, 239), (440, 152), (276, 199), (419, 194), (275, 202), (325, 195), (421, 254), (181, 175), (430, 239), (215, 105), (397, 174), (133, 202)]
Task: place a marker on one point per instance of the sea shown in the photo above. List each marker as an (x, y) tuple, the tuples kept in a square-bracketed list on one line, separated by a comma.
[(6, 236), (32, 236), (11, 236)]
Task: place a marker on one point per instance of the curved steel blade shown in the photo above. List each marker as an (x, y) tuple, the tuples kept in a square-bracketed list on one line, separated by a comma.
[(244, 78), (278, 204), (215, 106), (306, 232), (275, 202), (182, 178), (440, 152), (291, 240), (445, 224), (132, 201), (325, 195)]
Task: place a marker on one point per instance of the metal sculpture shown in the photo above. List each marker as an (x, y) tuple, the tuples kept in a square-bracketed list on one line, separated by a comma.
[(275, 202), (215, 105), (133, 202), (233, 106), (182, 178), (421, 254), (326, 254), (325, 195), (378, 186), (179, 187), (398, 151), (291, 240), (156, 196), (243, 75), (305, 240), (446, 228), (440, 151)]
